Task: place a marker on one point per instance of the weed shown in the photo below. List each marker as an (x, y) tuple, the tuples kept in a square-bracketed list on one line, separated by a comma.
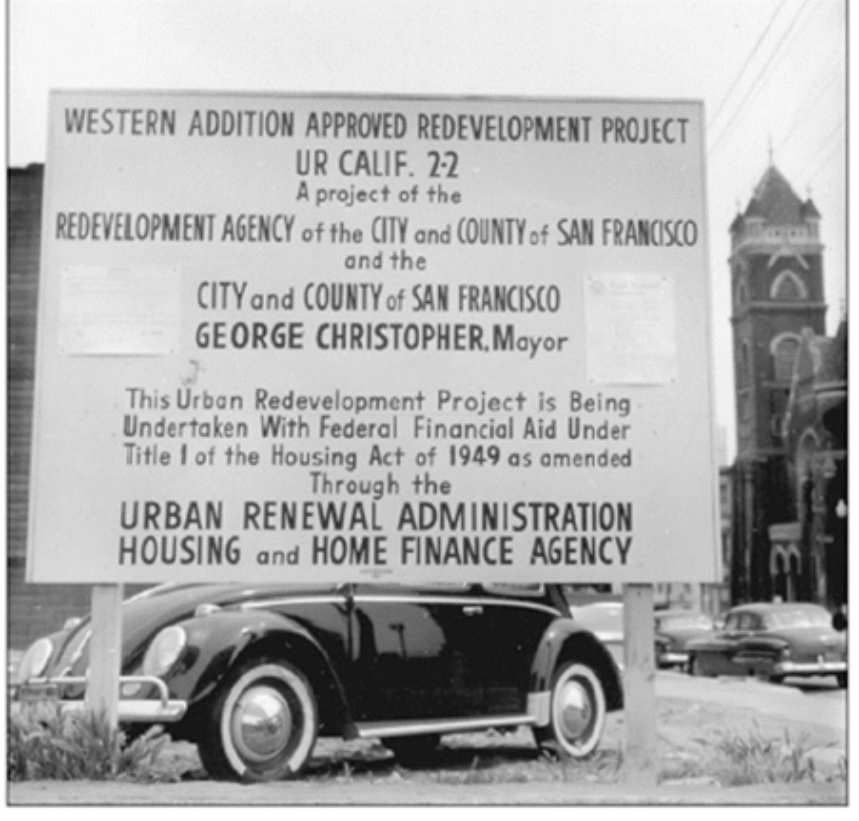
[(682, 768), (606, 764), (753, 758), (44, 743)]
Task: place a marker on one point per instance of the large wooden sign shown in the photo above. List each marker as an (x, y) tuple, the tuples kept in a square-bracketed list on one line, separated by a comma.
[(341, 338)]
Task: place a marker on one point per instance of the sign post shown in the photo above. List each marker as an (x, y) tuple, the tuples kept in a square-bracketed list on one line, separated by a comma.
[(639, 686), (102, 693)]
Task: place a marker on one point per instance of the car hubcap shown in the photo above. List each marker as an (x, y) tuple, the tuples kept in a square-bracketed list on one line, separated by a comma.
[(575, 709), (262, 723)]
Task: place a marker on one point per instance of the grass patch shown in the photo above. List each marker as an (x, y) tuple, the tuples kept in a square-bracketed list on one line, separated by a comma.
[(742, 758), (45, 744)]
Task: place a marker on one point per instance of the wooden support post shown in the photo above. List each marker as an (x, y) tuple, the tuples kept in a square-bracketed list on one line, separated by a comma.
[(105, 655), (640, 763)]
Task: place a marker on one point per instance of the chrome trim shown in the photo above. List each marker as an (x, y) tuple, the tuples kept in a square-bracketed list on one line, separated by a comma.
[(138, 710), (540, 706), (822, 667), (459, 601), (388, 729), (672, 658), (269, 603), (162, 709), (432, 598), (78, 653)]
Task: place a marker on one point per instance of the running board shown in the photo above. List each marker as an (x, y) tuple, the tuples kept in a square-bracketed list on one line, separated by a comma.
[(388, 729)]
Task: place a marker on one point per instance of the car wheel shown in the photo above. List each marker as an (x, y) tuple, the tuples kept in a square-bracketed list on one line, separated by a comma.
[(414, 751), (841, 678), (577, 713), (263, 724)]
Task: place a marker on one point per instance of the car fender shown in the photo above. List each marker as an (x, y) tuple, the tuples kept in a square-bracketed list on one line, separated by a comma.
[(217, 641), (563, 639)]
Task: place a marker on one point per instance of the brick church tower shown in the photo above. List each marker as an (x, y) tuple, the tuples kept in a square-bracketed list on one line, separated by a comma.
[(776, 292)]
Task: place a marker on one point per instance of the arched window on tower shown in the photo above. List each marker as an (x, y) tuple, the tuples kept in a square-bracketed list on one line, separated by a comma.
[(784, 349), (788, 287)]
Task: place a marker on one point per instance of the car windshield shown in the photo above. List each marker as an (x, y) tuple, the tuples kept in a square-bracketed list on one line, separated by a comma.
[(685, 621), (801, 617)]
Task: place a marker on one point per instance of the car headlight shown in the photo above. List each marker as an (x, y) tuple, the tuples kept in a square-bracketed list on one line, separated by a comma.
[(164, 651), (35, 661)]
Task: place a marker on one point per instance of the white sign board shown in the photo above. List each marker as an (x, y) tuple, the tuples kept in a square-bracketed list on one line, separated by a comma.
[(342, 338)]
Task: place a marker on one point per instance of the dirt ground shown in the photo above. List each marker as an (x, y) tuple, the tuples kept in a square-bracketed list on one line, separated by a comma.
[(507, 769)]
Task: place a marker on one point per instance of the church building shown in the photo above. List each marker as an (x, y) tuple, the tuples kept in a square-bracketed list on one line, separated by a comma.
[(778, 318)]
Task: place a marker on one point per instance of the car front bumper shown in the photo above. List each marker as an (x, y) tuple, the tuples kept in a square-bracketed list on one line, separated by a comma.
[(669, 659), (159, 710), (809, 668)]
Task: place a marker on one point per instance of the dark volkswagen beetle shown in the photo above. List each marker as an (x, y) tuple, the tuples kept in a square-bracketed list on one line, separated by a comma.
[(253, 675)]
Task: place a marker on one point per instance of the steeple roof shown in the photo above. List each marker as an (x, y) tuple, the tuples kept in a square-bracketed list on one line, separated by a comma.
[(809, 210), (775, 200)]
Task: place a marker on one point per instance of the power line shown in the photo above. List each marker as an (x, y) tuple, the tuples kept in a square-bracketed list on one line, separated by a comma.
[(828, 158), (745, 65), (757, 79), (823, 143), (819, 95), (758, 83)]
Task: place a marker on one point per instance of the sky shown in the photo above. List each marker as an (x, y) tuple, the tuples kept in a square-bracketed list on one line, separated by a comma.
[(771, 74)]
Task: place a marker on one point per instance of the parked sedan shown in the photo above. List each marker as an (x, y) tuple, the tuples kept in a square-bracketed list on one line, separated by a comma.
[(253, 675), (774, 641), (674, 630)]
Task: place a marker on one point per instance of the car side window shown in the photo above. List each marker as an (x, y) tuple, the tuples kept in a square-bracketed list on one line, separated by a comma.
[(733, 622), (747, 621)]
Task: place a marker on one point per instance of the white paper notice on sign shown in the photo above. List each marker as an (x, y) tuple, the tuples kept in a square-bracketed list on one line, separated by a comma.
[(119, 311), (630, 327)]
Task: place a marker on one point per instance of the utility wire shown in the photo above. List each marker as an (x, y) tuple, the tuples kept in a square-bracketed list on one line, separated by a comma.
[(784, 53), (757, 79), (826, 160), (776, 57), (820, 148), (818, 97), (740, 73), (824, 142)]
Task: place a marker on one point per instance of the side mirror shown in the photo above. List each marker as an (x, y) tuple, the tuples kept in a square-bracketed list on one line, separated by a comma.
[(839, 621)]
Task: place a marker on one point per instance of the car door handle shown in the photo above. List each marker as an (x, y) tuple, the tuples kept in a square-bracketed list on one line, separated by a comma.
[(472, 610)]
